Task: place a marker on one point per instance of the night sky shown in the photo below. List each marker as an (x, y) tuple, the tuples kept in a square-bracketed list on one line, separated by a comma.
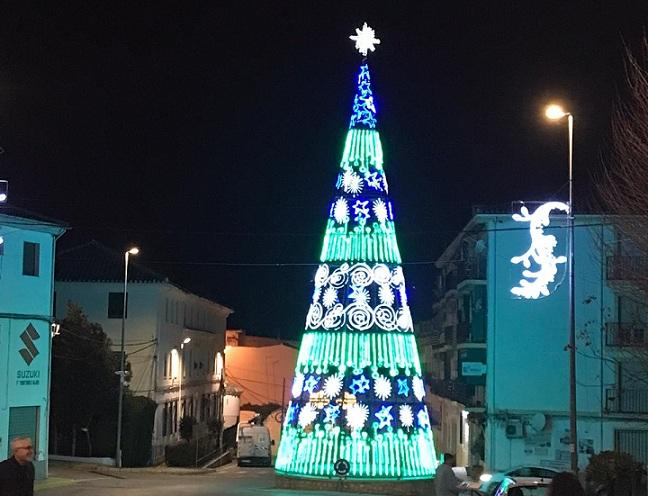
[(210, 133)]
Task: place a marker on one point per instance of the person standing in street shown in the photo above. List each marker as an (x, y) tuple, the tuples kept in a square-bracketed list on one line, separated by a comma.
[(446, 482), (17, 472)]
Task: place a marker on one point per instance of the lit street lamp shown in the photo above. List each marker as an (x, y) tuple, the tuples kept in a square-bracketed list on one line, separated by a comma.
[(181, 363), (556, 112), (122, 367)]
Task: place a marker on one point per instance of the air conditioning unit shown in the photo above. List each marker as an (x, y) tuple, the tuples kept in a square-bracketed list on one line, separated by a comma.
[(514, 429)]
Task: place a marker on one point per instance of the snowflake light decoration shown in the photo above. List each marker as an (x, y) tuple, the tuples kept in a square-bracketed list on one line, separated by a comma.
[(332, 386), (360, 296), (307, 415), (382, 387), (331, 412), (311, 383), (298, 385), (365, 39), (406, 416), (359, 385), (386, 295), (423, 418), (380, 210), (330, 297), (361, 211), (357, 415), (418, 388), (352, 182), (341, 211), (403, 387), (384, 416)]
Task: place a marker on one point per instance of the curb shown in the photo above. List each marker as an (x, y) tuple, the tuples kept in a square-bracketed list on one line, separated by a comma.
[(53, 482), (122, 473)]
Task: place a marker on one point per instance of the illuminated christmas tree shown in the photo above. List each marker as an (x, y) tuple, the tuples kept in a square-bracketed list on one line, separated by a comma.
[(358, 390)]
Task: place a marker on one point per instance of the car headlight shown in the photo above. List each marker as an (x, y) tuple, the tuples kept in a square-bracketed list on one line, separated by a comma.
[(485, 477)]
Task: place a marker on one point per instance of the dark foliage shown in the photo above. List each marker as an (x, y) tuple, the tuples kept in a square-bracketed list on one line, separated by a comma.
[(84, 388), (139, 416)]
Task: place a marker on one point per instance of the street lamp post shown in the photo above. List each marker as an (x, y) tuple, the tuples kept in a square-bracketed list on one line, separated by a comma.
[(555, 112), (181, 368), (122, 371)]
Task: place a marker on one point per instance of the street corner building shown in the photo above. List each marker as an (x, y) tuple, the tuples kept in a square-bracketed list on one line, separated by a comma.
[(174, 342), (357, 406), (27, 244)]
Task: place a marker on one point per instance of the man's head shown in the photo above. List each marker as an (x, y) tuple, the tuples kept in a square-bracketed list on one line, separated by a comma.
[(449, 459), (22, 450)]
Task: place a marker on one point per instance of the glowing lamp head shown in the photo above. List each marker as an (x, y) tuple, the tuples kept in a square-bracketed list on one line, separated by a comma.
[(133, 251), (186, 340), (554, 112), (3, 197)]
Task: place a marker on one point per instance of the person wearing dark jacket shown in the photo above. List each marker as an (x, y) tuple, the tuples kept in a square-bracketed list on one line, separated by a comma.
[(17, 472)]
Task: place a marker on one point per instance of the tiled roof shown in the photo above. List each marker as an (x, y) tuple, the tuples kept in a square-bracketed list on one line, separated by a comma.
[(27, 216), (96, 262)]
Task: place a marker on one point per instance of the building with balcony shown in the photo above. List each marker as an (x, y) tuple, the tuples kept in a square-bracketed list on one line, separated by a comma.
[(183, 380), (498, 363)]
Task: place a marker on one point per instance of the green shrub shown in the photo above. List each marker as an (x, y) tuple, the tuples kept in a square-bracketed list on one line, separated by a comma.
[(186, 428), (613, 470), (137, 434)]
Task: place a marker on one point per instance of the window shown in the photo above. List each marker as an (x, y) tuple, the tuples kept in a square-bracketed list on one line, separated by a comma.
[(116, 305), (31, 258), (174, 416), (165, 419)]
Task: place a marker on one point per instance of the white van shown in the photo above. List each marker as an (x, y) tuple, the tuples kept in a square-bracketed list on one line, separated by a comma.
[(253, 445)]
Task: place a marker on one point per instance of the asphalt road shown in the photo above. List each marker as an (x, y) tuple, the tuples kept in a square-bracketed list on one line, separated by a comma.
[(229, 480)]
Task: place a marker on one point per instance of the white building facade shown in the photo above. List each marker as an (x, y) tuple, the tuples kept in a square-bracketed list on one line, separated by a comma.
[(26, 286), (184, 380), (498, 364)]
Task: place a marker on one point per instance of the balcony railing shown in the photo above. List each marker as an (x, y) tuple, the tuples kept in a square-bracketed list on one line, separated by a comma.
[(471, 269), (626, 400), (466, 333), (627, 268), (455, 391), (625, 334)]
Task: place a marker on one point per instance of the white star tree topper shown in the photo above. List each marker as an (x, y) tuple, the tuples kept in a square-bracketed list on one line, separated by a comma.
[(365, 39)]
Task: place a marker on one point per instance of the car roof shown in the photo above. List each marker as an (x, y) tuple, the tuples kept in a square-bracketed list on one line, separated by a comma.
[(530, 481), (549, 469)]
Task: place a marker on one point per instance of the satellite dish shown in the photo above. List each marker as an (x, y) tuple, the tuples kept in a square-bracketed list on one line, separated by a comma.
[(538, 421)]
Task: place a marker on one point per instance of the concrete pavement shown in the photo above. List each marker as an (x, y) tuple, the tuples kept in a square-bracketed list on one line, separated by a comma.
[(228, 480)]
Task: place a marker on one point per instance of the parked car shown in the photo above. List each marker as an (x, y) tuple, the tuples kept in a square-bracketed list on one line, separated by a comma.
[(490, 482), (253, 445), (522, 486)]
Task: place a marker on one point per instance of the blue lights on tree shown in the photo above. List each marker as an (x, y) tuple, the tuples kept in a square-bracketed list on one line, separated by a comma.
[(360, 385), (364, 107), (384, 416), (403, 387)]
